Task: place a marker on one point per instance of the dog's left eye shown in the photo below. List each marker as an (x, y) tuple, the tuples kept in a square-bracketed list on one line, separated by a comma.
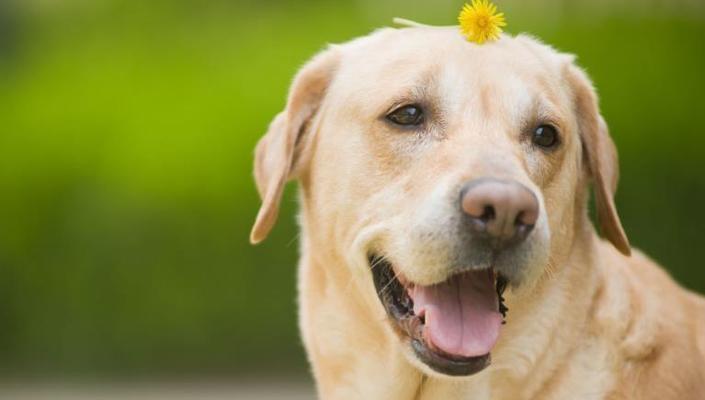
[(410, 115), (545, 136)]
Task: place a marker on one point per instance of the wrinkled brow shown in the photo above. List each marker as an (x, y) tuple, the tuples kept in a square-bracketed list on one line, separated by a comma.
[(423, 92), (542, 110)]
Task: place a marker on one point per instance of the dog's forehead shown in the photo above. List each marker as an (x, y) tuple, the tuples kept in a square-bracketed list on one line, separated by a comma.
[(397, 59), (432, 46)]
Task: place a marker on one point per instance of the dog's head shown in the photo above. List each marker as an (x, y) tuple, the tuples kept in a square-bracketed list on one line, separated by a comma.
[(441, 171)]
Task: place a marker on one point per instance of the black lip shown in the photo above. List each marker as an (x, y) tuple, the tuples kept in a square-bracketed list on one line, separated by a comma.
[(399, 307), (449, 366)]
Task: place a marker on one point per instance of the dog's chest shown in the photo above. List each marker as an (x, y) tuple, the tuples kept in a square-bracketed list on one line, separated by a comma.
[(586, 375)]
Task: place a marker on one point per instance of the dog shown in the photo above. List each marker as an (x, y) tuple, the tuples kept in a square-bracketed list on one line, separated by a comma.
[(447, 250)]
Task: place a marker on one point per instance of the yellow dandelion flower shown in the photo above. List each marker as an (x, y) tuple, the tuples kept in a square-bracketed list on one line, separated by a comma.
[(480, 22)]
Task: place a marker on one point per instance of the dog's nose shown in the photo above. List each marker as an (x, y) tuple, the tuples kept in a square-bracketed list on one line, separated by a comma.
[(503, 211)]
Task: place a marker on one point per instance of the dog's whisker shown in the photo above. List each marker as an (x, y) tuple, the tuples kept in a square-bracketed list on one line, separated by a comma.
[(294, 239), (389, 284), (377, 261), (551, 269)]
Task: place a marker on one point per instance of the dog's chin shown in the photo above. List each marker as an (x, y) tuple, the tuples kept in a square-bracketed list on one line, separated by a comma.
[(449, 327)]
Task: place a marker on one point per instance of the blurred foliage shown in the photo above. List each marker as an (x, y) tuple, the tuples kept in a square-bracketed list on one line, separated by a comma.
[(126, 197)]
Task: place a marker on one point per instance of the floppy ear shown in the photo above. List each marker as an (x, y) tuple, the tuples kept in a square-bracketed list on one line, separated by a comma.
[(280, 153), (601, 156)]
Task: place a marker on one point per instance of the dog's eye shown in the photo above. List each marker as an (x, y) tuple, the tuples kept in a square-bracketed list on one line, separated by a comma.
[(406, 115), (545, 136)]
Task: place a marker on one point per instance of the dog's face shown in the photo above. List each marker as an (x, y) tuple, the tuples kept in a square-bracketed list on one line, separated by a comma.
[(441, 171)]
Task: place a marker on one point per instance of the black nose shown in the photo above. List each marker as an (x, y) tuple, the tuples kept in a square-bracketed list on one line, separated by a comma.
[(503, 211)]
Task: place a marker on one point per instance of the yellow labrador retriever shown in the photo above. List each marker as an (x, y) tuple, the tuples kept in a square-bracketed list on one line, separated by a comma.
[(447, 251)]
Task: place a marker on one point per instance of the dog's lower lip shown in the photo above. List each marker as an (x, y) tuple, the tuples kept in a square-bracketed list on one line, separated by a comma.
[(449, 365), (399, 306)]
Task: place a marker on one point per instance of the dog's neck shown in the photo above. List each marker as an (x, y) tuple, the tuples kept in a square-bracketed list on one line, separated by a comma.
[(541, 326)]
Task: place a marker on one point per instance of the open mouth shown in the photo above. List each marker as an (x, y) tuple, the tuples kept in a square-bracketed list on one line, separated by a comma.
[(452, 325)]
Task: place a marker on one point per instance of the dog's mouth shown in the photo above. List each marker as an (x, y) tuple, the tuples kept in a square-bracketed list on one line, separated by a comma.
[(452, 325)]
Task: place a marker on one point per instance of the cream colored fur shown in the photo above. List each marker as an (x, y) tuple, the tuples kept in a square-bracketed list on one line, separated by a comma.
[(587, 321)]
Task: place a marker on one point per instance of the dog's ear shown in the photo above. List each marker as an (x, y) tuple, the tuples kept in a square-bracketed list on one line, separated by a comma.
[(601, 155), (280, 154)]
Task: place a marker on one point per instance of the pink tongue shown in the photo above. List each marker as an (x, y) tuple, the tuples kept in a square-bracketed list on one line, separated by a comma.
[(462, 317)]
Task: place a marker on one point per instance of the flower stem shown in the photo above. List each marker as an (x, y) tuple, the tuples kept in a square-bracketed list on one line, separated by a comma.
[(408, 22)]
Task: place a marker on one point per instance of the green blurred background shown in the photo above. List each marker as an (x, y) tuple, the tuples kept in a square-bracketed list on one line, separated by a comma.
[(126, 138)]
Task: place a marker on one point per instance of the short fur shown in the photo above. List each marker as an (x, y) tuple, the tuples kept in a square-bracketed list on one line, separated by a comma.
[(586, 319)]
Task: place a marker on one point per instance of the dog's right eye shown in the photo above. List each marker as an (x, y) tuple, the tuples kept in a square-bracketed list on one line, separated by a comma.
[(410, 115)]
